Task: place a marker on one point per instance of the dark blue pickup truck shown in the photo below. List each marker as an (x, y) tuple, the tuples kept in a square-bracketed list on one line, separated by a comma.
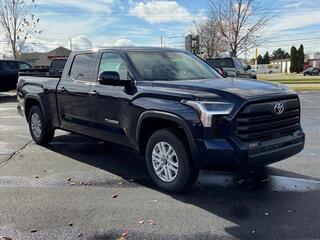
[(9, 70), (169, 105)]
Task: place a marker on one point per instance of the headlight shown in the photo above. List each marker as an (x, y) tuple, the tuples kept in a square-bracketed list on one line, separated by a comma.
[(208, 109)]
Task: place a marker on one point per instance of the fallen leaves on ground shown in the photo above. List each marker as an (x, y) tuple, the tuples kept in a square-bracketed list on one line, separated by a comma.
[(151, 222), (123, 236), (141, 222)]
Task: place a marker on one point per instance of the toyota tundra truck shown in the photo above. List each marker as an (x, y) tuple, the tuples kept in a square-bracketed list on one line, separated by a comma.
[(169, 105)]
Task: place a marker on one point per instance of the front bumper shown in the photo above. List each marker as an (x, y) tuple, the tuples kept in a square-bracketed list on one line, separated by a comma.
[(232, 153)]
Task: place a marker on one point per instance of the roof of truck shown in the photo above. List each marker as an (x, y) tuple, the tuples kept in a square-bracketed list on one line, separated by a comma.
[(130, 48)]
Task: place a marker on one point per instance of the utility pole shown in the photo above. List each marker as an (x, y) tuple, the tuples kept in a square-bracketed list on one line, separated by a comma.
[(70, 41), (161, 41), (229, 28)]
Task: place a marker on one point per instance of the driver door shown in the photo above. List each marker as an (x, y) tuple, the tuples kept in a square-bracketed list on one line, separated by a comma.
[(109, 104)]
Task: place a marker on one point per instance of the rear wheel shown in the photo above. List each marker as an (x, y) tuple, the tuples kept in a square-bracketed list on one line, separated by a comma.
[(39, 128), (168, 162)]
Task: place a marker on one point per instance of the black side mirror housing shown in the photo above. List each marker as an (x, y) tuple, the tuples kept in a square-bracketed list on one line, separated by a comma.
[(109, 78), (113, 79)]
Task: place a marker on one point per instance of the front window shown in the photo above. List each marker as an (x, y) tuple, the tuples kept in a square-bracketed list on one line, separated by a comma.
[(170, 66), (112, 61)]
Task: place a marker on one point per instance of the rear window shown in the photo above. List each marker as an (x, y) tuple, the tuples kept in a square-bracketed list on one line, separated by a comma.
[(58, 64), (82, 66), (221, 63)]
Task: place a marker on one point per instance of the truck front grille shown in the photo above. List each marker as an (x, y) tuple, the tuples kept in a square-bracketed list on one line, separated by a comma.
[(260, 122)]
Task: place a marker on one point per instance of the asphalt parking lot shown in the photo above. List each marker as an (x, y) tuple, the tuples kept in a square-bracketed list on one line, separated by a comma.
[(80, 188)]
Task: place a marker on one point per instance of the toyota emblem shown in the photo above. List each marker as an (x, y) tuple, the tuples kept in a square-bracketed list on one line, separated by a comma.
[(278, 108)]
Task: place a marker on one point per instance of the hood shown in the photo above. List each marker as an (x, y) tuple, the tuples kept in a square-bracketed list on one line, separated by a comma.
[(223, 87)]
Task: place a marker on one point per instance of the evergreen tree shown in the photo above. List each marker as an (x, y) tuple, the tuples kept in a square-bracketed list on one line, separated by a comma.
[(294, 60), (279, 54), (266, 58), (260, 59), (300, 64)]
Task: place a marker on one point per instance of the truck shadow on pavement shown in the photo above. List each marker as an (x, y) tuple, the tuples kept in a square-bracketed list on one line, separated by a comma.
[(270, 204), (5, 98)]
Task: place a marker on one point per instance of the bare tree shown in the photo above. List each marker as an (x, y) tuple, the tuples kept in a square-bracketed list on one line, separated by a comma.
[(245, 19), (211, 41), (18, 22)]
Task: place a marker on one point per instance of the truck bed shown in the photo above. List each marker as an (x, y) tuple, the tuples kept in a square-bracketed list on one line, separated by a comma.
[(46, 82)]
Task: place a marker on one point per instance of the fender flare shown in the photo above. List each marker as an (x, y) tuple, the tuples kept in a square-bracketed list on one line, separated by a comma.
[(171, 117), (38, 99)]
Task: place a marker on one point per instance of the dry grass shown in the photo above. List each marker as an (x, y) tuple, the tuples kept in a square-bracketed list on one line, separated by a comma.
[(289, 78)]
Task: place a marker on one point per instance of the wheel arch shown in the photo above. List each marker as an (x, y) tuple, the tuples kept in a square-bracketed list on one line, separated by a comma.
[(30, 101), (167, 120)]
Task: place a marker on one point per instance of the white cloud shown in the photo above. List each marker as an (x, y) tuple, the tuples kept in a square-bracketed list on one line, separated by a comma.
[(124, 42), (296, 20), (160, 12), (121, 42), (295, 5), (81, 42)]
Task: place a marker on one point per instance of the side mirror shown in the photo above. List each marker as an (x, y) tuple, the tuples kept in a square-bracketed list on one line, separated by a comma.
[(108, 78), (113, 79)]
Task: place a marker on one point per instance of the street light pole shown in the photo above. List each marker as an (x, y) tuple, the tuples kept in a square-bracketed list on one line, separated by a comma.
[(70, 41)]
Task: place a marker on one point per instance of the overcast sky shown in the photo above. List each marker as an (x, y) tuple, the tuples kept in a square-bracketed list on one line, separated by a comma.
[(96, 23)]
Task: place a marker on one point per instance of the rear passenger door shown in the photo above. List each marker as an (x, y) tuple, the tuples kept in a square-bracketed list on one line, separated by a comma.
[(73, 94)]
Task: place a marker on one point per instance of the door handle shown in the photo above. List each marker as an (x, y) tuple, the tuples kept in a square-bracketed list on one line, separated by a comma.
[(94, 93)]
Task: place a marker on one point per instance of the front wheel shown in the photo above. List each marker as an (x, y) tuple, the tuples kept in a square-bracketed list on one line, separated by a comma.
[(168, 162), (39, 128)]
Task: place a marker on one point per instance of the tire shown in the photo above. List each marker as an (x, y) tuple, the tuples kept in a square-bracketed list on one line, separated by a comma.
[(186, 174), (39, 127)]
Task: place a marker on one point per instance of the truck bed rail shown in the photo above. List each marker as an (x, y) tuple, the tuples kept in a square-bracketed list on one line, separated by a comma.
[(39, 72)]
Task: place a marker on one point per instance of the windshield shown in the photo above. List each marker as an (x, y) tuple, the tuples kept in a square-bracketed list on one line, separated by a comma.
[(170, 66), (221, 63), (23, 66)]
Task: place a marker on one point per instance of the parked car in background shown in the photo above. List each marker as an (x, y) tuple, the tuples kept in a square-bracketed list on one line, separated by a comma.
[(55, 69), (231, 65), (9, 71), (311, 71), (169, 105), (266, 68), (57, 65)]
